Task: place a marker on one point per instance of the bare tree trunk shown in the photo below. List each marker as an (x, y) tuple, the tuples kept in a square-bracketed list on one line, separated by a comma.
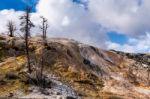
[(27, 43), (42, 68), (28, 57), (148, 76), (26, 26), (44, 28), (11, 34)]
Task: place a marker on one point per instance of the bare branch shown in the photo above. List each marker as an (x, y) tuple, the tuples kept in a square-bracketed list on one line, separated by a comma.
[(44, 27), (11, 28)]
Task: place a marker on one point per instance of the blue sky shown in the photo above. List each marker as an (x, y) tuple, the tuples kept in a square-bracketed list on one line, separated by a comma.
[(117, 38), (78, 1), (19, 4), (15, 4)]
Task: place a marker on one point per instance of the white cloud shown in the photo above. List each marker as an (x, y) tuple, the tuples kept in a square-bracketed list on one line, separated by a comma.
[(68, 19), (6, 15), (65, 21), (126, 16), (71, 20)]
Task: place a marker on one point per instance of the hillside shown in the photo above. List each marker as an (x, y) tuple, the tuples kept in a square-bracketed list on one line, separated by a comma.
[(73, 70)]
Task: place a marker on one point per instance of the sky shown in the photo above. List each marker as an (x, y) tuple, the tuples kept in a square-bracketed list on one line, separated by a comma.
[(109, 24), (18, 5)]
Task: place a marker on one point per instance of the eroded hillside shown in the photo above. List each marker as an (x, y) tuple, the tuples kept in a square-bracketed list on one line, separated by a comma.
[(75, 70)]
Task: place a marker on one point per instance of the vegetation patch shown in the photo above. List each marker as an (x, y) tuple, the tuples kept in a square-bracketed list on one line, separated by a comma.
[(85, 84), (11, 86), (2, 54), (9, 78), (109, 95)]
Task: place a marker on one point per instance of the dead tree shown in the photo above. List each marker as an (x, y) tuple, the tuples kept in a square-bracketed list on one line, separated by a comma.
[(42, 76), (26, 27), (44, 28), (148, 75), (11, 28)]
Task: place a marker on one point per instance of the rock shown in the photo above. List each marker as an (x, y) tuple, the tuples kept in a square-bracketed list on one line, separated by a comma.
[(19, 93), (70, 97), (45, 92), (10, 95), (62, 57), (59, 97), (57, 93)]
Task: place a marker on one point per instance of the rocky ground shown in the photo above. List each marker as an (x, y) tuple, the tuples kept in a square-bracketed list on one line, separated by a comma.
[(74, 70)]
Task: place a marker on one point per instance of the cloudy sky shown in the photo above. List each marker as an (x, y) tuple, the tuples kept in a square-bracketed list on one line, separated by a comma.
[(110, 24)]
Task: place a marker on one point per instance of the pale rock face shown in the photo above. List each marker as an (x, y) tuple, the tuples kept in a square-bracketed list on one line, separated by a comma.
[(124, 74)]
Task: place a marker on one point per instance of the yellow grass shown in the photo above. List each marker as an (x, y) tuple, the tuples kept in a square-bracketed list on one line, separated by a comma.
[(12, 65)]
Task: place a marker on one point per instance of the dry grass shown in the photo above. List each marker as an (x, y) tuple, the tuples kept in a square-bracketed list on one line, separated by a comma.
[(11, 86), (2, 54), (87, 85), (84, 83), (109, 95), (12, 64)]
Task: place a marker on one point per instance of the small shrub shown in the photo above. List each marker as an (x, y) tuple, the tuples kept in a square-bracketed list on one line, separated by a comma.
[(2, 82), (35, 79), (11, 76), (70, 97), (2, 38)]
